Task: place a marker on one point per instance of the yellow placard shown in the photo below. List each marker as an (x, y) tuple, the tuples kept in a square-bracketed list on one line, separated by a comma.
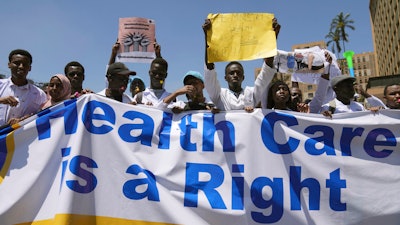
[(240, 36)]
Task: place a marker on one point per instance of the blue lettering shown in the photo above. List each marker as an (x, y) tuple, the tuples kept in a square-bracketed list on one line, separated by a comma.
[(237, 187), (326, 138), (371, 141), (165, 131), (64, 153), (88, 116), (209, 129), (70, 114), (89, 178), (275, 201), (130, 186), (268, 131), (193, 185), (186, 126), (347, 136), (335, 184), (145, 128), (296, 186)]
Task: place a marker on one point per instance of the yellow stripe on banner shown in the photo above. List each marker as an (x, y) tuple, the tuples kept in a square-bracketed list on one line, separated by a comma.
[(10, 152), (74, 219)]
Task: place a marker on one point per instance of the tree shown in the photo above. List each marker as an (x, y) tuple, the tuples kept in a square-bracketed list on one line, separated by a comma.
[(334, 39), (339, 24)]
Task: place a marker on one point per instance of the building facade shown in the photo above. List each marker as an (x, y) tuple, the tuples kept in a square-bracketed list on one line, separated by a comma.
[(385, 23), (364, 67), (320, 44)]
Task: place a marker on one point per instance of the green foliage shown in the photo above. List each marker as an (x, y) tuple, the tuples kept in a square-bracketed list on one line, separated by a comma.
[(337, 32)]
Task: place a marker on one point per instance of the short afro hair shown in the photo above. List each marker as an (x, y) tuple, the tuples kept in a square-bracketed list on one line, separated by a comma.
[(73, 63), (160, 61), (20, 52)]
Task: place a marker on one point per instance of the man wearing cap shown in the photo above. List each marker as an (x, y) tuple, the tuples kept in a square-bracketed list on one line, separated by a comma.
[(118, 79), (193, 89), (343, 86), (316, 105)]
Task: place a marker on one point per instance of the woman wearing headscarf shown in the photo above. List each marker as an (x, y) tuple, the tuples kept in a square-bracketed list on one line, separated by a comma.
[(59, 89)]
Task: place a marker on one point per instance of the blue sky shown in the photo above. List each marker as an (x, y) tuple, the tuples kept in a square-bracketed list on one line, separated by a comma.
[(59, 31)]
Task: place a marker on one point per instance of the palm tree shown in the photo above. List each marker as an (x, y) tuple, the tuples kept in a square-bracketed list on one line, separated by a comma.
[(340, 23), (334, 39)]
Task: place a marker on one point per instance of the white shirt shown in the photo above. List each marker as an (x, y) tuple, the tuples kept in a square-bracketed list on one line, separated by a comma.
[(149, 96), (319, 99), (125, 98), (225, 99), (375, 102), (319, 96), (30, 98), (342, 108)]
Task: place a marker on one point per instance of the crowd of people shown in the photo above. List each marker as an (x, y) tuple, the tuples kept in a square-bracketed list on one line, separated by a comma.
[(20, 99)]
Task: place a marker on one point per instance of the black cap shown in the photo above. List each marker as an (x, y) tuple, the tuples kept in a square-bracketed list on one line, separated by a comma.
[(119, 68)]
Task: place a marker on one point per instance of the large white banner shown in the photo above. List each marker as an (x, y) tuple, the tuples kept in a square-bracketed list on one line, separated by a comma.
[(97, 161)]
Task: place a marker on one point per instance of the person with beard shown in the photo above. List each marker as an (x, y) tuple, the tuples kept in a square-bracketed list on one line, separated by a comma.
[(18, 98), (118, 79), (76, 75)]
